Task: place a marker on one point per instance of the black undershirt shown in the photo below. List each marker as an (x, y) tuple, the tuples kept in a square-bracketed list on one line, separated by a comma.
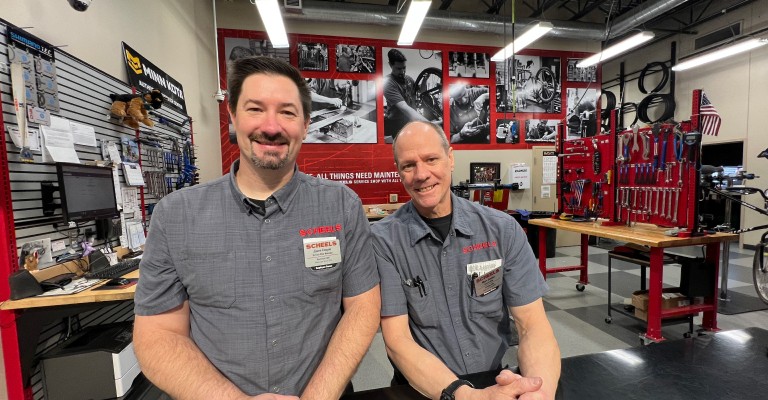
[(260, 206), (440, 226)]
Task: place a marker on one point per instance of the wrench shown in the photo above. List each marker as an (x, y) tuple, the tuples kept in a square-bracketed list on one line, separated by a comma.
[(677, 194), (646, 145), (680, 173), (635, 147), (656, 207)]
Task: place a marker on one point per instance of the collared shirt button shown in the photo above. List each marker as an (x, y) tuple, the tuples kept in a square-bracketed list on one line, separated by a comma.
[(271, 298), (266, 221), (276, 389), (269, 258), (274, 343), (466, 354), (450, 288), (445, 253)]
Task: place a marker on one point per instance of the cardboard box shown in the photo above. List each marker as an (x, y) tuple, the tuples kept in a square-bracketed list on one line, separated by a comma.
[(669, 299)]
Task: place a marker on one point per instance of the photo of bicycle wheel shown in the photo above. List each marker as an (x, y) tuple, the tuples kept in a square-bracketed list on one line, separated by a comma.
[(529, 84)]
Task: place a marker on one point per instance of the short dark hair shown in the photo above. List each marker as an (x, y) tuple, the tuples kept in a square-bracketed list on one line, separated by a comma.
[(395, 55), (240, 69)]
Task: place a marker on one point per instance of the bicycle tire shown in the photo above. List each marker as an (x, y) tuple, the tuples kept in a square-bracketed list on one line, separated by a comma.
[(426, 88), (610, 104), (648, 68), (760, 273), (549, 86)]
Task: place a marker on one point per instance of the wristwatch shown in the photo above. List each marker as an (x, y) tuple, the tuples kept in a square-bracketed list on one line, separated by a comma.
[(448, 392)]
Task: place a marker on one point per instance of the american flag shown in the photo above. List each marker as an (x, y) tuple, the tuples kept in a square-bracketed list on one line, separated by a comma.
[(710, 119)]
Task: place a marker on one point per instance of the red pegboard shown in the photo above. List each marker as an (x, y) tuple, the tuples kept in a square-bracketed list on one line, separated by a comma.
[(585, 187)]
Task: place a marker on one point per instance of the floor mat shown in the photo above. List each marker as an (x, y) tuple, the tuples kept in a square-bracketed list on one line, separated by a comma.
[(740, 303)]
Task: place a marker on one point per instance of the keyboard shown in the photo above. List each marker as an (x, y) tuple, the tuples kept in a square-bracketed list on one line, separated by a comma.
[(115, 271)]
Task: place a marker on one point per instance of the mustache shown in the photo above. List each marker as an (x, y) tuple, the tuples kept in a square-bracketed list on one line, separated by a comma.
[(272, 139)]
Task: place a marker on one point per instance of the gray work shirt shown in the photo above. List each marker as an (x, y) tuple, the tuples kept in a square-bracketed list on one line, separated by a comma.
[(256, 311), (468, 331)]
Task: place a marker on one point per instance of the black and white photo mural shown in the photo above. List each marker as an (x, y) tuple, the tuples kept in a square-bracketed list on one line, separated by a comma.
[(462, 64), (528, 84), (312, 56), (413, 88), (581, 114), (355, 58), (343, 111)]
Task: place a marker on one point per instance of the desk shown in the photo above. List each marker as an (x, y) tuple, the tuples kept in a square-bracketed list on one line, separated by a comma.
[(723, 365), (34, 313), (653, 237)]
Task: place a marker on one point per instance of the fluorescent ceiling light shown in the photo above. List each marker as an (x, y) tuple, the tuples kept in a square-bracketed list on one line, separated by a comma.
[(616, 49), (417, 10), (722, 53), (529, 36), (273, 22)]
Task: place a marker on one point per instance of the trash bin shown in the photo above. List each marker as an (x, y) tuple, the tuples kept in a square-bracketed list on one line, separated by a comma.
[(533, 239), (532, 231)]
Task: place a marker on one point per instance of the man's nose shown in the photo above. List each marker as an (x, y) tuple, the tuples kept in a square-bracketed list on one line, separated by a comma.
[(421, 172), (270, 124)]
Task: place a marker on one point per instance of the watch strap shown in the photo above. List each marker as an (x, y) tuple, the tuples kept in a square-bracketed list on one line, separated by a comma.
[(450, 390)]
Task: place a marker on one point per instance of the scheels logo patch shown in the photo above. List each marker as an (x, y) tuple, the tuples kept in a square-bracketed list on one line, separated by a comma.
[(320, 229), (478, 246)]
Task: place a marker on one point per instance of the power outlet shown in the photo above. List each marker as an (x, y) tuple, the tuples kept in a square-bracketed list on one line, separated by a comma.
[(393, 198)]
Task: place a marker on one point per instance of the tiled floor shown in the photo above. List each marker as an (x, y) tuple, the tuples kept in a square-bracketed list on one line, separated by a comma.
[(578, 318)]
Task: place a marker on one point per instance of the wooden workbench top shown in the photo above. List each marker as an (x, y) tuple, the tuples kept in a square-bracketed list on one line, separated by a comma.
[(86, 296), (642, 234)]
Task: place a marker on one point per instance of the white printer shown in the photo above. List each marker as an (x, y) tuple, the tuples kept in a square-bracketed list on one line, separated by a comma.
[(96, 363)]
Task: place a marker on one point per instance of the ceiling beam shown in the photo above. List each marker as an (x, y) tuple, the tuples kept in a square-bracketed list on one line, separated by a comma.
[(445, 4), (495, 7), (543, 6)]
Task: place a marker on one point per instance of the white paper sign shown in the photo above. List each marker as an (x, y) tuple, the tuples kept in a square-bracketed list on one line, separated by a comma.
[(33, 138), (520, 174), (83, 134), (545, 193), (57, 141)]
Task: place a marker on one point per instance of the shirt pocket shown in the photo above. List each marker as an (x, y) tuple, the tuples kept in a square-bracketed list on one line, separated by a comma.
[(490, 306), (322, 281), (421, 308), (209, 274)]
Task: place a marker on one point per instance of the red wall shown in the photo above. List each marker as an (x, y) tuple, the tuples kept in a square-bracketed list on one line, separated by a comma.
[(371, 166)]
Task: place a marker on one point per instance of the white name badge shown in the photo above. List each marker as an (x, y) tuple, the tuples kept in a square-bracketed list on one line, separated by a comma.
[(487, 283), (483, 267), (321, 252)]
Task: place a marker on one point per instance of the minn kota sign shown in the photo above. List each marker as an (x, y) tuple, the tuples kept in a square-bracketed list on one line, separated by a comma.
[(145, 76)]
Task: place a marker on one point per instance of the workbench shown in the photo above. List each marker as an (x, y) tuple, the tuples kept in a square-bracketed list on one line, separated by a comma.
[(654, 238)]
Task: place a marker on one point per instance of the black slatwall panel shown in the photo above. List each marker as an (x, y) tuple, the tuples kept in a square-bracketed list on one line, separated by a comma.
[(84, 98)]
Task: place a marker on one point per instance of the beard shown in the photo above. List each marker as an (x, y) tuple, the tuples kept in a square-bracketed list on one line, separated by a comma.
[(270, 160)]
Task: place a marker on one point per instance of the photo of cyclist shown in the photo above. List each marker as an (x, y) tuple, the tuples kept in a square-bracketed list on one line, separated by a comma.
[(355, 58)]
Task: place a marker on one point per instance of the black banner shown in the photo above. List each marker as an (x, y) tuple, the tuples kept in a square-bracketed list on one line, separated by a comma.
[(31, 44), (145, 76)]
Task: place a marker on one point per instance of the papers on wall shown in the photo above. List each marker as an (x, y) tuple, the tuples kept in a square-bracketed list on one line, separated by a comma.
[(520, 174), (130, 197), (118, 191), (132, 174), (136, 236), (111, 152), (83, 134), (549, 170), (33, 138), (58, 145)]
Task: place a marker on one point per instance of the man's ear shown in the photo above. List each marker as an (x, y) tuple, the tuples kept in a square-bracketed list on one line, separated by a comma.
[(232, 133)]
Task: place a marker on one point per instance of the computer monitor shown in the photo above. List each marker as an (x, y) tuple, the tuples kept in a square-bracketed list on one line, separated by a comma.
[(87, 192)]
